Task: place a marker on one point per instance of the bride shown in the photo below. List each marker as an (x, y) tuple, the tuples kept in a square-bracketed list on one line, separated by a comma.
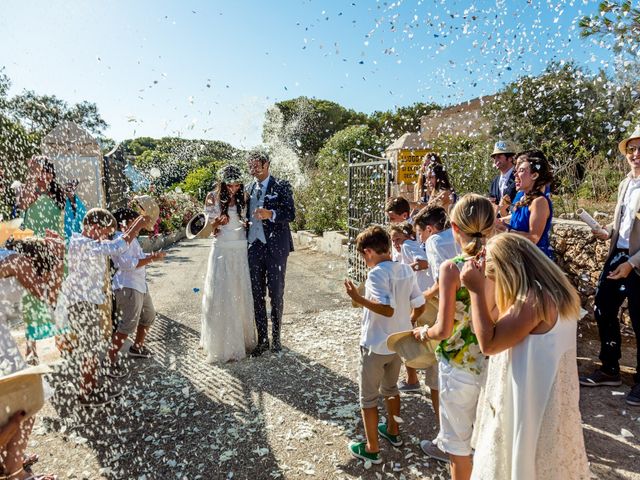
[(228, 327)]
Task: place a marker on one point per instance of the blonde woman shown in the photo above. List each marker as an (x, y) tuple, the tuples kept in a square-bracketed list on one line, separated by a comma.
[(528, 424), (460, 362)]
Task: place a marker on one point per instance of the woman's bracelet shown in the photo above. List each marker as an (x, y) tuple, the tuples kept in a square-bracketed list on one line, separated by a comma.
[(424, 334)]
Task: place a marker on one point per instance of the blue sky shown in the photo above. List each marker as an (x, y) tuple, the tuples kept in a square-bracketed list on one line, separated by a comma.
[(209, 69)]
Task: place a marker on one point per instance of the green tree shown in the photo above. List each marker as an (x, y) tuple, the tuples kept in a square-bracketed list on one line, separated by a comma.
[(305, 124), (42, 113), (322, 204), (201, 181), (137, 146), (617, 25), (176, 157), (565, 112), (616, 21), (16, 146), (467, 161), (390, 125)]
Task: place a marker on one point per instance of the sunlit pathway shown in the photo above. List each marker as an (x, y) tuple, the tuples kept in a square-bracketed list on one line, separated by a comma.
[(281, 416)]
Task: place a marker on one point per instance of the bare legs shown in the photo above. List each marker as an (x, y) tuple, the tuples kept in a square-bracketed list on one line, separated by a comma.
[(370, 418)]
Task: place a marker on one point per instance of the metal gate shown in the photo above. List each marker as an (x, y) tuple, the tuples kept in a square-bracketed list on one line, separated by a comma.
[(369, 182)]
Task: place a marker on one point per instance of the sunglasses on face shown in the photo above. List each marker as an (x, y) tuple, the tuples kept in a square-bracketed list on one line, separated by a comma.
[(632, 150)]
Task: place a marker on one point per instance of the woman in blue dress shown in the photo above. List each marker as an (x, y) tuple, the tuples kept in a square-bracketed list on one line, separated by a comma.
[(74, 210), (532, 209)]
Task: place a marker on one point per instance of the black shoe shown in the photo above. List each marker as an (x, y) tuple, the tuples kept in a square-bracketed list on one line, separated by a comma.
[(142, 352), (276, 347), (259, 350), (634, 396), (600, 378), (116, 370), (98, 398)]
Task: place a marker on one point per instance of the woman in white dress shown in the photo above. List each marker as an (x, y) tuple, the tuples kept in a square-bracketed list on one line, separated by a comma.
[(35, 266), (228, 327), (528, 424)]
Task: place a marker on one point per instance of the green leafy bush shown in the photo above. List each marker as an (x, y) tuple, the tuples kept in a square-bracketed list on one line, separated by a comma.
[(322, 203)]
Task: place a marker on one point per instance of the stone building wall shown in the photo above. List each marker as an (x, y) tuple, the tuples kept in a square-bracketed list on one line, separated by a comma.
[(581, 256)]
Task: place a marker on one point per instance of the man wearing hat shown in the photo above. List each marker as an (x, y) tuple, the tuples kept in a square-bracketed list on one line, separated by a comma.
[(270, 208), (620, 276), (503, 186)]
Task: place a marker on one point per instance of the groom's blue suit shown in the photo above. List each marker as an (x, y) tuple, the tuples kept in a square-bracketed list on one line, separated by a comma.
[(270, 242)]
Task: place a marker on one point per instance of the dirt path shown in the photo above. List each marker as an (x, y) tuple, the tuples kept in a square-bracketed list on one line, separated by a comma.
[(289, 415)]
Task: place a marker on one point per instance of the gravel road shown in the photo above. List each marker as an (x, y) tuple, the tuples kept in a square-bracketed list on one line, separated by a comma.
[(288, 415)]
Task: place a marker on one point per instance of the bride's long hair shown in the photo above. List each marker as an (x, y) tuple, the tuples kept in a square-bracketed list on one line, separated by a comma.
[(222, 194)]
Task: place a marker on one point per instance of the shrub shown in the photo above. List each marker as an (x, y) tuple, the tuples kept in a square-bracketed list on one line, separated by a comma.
[(467, 161), (322, 202)]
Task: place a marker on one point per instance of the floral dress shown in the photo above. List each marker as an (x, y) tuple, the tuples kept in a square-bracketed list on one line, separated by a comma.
[(41, 216), (461, 349), (460, 368)]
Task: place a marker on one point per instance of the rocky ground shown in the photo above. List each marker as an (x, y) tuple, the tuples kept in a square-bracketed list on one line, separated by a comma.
[(288, 415)]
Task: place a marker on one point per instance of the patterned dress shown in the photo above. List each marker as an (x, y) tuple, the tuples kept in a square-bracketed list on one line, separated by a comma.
[(461, 349), (41, 216), (528, 423)]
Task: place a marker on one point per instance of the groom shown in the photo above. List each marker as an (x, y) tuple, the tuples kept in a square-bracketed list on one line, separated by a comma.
[(269, 210)]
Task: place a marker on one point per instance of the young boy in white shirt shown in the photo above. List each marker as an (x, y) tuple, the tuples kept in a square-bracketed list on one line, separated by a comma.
[(391, 302), (134, 307), (410, 252), (83, 294), (433, 229)]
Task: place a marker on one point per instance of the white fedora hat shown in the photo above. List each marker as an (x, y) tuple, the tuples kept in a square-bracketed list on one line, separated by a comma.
[(22, 391), (199, 226), (622, 146), (414, 353)]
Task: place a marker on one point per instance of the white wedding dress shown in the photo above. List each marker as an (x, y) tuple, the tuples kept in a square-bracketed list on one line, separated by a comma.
[(10, 294), (228, 326)]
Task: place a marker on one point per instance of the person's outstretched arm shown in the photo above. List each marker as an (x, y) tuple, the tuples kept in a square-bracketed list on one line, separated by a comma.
[(510, 329), (449, 280)]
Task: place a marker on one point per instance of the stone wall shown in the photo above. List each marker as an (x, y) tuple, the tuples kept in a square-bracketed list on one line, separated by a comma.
[(581, 256)]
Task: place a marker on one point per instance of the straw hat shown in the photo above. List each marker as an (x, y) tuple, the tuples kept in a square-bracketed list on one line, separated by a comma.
[(22, 390), (149, 208), (504, 147), (361, 290), (199, 226), (430, 314), (13, 228), (622, 146), (414, 353)]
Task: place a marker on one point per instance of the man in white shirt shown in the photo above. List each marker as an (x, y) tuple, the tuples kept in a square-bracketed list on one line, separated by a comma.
[(620, 278)]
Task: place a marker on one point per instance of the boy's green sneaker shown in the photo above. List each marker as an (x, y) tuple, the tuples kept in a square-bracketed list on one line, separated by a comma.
[(359, 450), (394, 440)]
